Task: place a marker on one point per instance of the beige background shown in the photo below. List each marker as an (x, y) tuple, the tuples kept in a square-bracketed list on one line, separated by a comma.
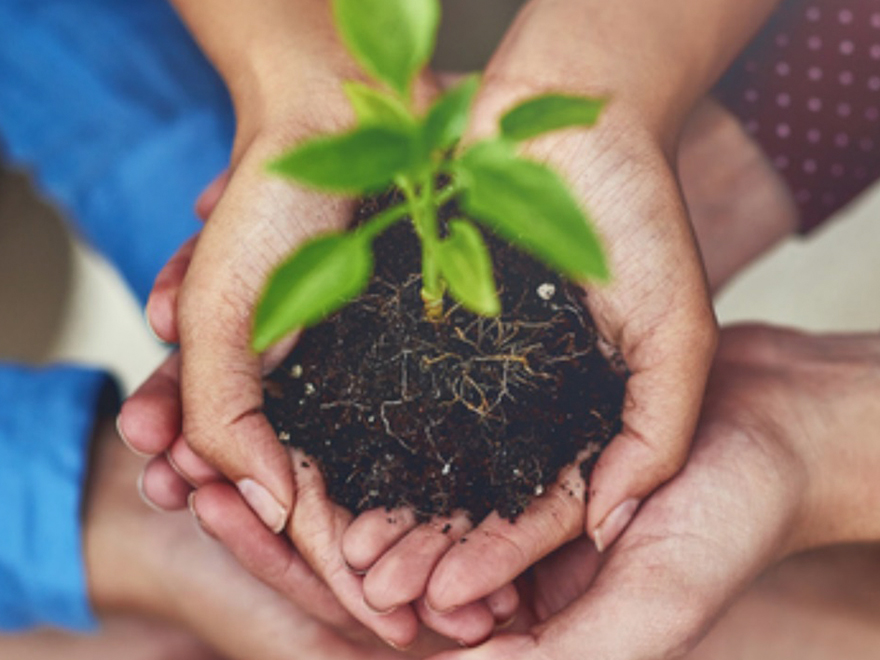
[(60, 301)]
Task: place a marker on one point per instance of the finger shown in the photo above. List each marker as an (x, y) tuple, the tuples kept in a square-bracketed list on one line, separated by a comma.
[(225, 425), (162, 304), (316, 528), (150, 420), (372, 533), (161, 311), (401, 575), (503, 604), (257, 222), (211, 195), (468, 625), (222, 512), (504, 647), (672, 571), (660, 594), (563, 576), (669, 367), (161, 487), (189, 465), (497, 551)]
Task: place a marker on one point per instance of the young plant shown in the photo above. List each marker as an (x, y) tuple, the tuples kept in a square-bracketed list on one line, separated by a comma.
[(523, 201)]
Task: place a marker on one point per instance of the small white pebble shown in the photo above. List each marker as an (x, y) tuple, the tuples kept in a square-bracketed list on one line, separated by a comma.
[(284, 436), (517, 472), (539, 490), (309, 389), (447, 468), (296, 371), (546, 291)]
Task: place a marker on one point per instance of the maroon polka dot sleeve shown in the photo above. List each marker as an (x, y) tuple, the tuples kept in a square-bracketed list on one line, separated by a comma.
[(808, 90)]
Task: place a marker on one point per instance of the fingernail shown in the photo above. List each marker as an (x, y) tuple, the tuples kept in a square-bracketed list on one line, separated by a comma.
[(398, 647), (150, 327), (176, 468), (615, 522), (355, 571), (433, 609), (273, 515), (200, 524), (499, 608), (125, 439), (505, 624), (146, 500), (377, 611)]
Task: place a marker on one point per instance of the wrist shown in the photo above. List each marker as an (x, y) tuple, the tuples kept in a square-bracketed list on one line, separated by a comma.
[(656, 59), (838, 442), (113, 529)]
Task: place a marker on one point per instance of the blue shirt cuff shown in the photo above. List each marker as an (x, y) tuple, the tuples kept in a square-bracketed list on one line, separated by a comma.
[(47, 417)]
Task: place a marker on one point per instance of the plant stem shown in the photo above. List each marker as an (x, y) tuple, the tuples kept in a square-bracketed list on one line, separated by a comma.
[(379, 223), (423, 205)]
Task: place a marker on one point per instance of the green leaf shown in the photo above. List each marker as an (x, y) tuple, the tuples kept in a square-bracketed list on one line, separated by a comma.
[(447, 119), (549, 113), (318, 279), (375, 108), (363, 160), (466, 267), (531, 206), (392, 39)]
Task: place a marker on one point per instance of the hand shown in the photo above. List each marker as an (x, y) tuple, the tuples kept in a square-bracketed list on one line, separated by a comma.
[(784, 460), (656, 310), (157, 565), (151, 420), (719, 215)]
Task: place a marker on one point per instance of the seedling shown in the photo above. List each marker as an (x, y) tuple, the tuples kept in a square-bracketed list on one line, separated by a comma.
[(521, 200)]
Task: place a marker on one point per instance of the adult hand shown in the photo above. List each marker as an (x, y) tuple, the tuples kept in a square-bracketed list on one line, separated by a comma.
[(151, 421), (159, 566), (785, 459), (286, 86), (719, 215), (656, 311)]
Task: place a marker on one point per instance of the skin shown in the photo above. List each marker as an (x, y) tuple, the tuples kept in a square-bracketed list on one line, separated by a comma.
[(762, 483), (154, 411), (657, 309), (158, 576)]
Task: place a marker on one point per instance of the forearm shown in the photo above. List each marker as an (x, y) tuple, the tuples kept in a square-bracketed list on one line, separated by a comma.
[(658, 58), (269, 51), (46, 419), (843, 448)]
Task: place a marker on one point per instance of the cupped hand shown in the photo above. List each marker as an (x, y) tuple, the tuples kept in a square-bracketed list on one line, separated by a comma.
[(151, 419), (158, 565), (760, 484), (656, 311)]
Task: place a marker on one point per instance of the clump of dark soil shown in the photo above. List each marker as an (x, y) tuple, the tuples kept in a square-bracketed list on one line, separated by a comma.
[(471, 413)]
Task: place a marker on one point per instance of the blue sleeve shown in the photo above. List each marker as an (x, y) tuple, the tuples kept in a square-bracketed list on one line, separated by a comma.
[(122, 122), (119, 118), (46, 420)]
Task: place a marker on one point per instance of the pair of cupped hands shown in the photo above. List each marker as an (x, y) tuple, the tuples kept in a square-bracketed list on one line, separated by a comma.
[(638, 569)]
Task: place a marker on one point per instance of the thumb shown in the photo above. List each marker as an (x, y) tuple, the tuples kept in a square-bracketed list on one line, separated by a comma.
[(669, 367), (222, 394), (653, 598), (221, 384)]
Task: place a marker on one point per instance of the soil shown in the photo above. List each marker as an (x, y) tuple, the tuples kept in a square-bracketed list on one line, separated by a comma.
[(471, 413)]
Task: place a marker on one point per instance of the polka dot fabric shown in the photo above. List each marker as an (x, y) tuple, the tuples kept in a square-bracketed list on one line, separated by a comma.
[(808, 90)]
